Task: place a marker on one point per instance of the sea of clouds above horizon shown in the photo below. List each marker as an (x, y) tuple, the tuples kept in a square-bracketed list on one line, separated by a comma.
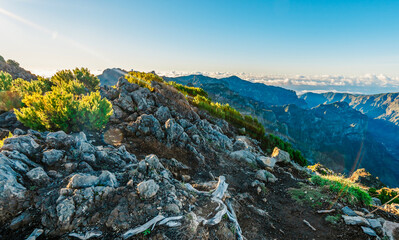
[(366, 84)]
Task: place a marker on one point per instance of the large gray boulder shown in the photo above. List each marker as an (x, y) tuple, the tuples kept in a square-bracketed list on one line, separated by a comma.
[(125, 102), (108, 179), (349, 220), (24, 144), (244, 156), (12, 193), (51, 157), (59, 140), (266, 162), (280, 155), (81, 180), (147, 189), (265, 176), (143, 99), (38, 176)]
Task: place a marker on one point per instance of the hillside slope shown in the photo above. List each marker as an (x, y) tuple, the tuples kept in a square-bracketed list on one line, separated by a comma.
[(13, 68), (161, 164)]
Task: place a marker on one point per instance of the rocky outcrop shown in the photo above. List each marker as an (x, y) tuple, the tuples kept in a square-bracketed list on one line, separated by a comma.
[(15, 70), (110, 76)]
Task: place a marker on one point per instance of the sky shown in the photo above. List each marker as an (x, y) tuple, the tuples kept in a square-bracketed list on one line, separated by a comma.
[(263, 38)]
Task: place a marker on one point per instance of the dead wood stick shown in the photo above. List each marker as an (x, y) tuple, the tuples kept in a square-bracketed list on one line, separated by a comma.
[(308, 224)]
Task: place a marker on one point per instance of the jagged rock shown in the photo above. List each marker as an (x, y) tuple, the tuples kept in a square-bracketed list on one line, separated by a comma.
[(21, 220), (173, 163), (146, 125), (52, 156), (24, 144), (65, 211), (125, 102), (38, 176), (142, 98), (163, 114), (355, 220), (14, 164), (9, 120), (280, 155), (241, 143), (376, 201), (265, 176), (108, 179), (185, 178), (346, 210), (18, 132), (81, 180), (17, 156), (175, 133), (374, 223), (35, 234), (369, 231), (391, 230), (124, 84), (214, 135), (153, 162), (243, 155), (266, 162), (84, 167), (59, 140), (148, 189)]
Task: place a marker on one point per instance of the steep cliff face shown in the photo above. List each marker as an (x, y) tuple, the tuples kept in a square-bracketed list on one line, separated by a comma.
[(383, 106), (339, 137)]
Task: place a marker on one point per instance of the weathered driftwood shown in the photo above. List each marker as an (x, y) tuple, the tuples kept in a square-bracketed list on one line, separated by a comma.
[(166, 220), (87, 235), (222, 209), (232, 216), (308, 224), (143, 227), (326, 211)]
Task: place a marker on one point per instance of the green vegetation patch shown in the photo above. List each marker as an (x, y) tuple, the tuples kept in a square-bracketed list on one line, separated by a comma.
[(385, 194), (309, 195), (333, 219), (344, 188)]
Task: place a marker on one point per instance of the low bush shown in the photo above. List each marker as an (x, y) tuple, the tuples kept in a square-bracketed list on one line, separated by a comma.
[(21, 86), (83, 75), (10, 100), (5, 81), (12, 63), (344, 188), (63, 103)]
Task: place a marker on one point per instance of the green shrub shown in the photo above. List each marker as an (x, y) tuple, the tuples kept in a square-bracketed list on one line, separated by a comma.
[(23, 87), (347, 190), (12, 63), (10, 100), (63, 103), (5, 81), (83, 75), (62, 110), (2, 59)]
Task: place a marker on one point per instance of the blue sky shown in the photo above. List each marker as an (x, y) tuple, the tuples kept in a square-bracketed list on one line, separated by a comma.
[(260, 37)]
